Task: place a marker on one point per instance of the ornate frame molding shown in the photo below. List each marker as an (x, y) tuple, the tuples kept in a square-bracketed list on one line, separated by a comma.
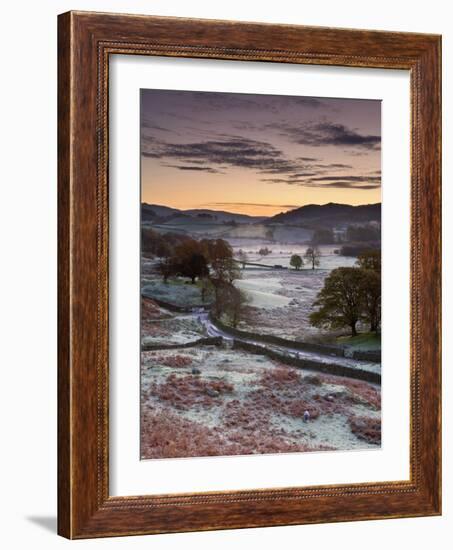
[(86, 40)]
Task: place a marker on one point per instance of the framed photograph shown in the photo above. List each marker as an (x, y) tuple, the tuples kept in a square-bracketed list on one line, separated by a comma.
[(249, 275)]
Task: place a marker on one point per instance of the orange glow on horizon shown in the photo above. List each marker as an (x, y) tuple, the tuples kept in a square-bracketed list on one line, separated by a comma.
[(258, 155), (238, 193)]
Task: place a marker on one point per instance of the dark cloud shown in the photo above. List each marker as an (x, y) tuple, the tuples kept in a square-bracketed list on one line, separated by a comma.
[(202, 108), (349, 185), (224, 139), (307, 174), (335, 181), (338, 184), (232, 151), (278, 180), (195, 168), (327, 133), (335, 166), (216, 156), (335, 185), (351, 179), (307, 159)]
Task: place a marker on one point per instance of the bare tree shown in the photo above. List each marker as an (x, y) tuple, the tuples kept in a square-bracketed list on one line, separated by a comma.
[(230, 303), (166, 267), (312, 254), (236, 305)]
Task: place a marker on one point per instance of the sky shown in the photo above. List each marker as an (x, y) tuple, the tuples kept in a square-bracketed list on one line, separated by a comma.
[(258, 154)]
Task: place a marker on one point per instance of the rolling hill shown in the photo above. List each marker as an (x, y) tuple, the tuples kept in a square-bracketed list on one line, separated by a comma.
[(163, 214), (309, 217), (328, 215)]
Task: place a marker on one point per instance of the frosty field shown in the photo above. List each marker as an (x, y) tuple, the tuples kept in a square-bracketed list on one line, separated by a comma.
[(214, 400), (280, 300), (238, 403)]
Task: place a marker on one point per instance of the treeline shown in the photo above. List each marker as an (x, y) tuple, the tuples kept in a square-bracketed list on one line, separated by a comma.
[(210, 261), (161, 245), (323, 236), (358, 249), (360, 239), (363, 233), (351, 295), (366, 233)]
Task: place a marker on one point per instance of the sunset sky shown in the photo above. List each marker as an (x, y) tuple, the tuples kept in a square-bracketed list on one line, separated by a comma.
[(258, 154)]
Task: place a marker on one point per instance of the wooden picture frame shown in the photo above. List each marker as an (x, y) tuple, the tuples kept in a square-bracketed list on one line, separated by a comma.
[(85, 41)]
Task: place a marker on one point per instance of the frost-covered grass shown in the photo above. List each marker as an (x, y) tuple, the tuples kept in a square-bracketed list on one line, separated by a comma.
[(213, 401), (176, 291), (280, 300), (263, 292), (289, 319), (365, 341), (159, 326), (179, 329), (280, 303), (281, 254)]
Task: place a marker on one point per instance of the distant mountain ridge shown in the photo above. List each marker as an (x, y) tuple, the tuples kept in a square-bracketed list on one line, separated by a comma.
[(331, 214), (152, 213), (310, 215)]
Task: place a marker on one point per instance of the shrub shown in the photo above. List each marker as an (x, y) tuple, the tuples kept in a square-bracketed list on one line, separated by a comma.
[(186, 392), (313, 379), (368, 429), (175, 361), (367, 393), (283, 391), (167, 435), (176, 421), (280, 375)]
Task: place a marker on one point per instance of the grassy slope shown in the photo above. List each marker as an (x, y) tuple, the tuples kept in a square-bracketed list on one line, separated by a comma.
[(364, 341)]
